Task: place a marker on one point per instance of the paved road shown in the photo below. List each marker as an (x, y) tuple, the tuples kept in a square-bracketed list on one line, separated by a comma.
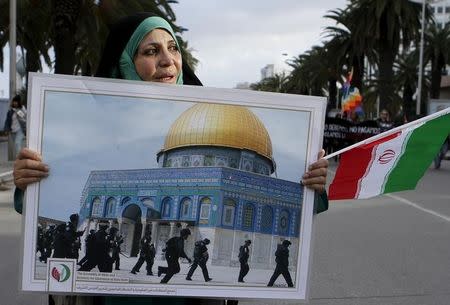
[(393, 249)]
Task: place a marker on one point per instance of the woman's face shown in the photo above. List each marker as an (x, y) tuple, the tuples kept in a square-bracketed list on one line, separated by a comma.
[(157, 58)]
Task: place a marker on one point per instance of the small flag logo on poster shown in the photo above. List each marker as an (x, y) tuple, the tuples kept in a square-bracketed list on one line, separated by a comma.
[(60, 274)]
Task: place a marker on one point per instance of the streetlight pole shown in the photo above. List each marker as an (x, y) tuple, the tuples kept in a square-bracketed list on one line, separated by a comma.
[(12, 48), (419, 88)]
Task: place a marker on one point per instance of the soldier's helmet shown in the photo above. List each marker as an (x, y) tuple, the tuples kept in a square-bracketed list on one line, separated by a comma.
[(286, 243), (248, 241), (74, 217), (185, 232), (206, 241)]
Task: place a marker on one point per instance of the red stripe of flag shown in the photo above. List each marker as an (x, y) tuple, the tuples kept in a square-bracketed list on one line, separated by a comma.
[(352, 167)]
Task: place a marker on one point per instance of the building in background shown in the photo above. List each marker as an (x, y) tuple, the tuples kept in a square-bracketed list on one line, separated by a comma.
[(441, 11), (267, 71)]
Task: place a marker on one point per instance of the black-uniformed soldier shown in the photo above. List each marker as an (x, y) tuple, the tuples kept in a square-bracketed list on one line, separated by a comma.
[(101, 250), (200, 258), (146, 254), (48, 242), (40, 242), (89, 245), (282, 260), (244, 254), (173, 251), (66, 240), (100, 256), (114, 243)]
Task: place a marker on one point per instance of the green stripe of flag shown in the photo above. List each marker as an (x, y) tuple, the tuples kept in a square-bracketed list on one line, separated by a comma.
[(423, 145)]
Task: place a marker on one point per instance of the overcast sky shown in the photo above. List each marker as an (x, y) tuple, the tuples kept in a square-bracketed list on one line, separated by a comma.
[(235, 39), (121, 137)]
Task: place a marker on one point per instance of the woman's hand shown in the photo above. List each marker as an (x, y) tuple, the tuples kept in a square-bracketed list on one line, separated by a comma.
[(316, 176), (28, 168)]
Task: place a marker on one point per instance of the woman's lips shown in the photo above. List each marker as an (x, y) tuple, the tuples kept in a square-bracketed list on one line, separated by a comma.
[(165, 78)]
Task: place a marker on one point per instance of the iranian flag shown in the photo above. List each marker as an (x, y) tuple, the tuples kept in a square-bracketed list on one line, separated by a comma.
[(392, 161)]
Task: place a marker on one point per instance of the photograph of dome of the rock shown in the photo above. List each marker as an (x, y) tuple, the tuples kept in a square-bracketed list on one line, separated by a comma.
[(171, 192)]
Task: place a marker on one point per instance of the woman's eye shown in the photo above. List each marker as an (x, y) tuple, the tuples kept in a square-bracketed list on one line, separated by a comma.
[(150, 52), (173, 48)]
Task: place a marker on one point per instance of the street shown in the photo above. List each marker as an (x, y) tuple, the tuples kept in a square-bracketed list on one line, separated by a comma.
[(393, 249)]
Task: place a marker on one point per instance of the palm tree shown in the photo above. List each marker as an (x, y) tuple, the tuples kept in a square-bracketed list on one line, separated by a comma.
[(75, 29), (187, 53), (437, 52), (386, 24), (65, 15), (276, 83), (405, 79), (311, 73), (33, 22), (347, 49)]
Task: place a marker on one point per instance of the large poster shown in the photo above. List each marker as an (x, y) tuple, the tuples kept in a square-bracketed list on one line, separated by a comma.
[(165, 190)]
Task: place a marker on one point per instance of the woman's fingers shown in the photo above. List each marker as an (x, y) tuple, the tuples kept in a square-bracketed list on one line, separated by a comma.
[(319, 172), (321, 154), (321, 163), (315, 180), (26, 153), (22, 183), (28, 168), (30, 164), (316, 176), (31, 173)]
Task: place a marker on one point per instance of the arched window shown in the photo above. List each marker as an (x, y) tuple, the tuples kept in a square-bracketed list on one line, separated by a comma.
[(148, 202), (111, 207), (283, 223), (229, 207), (166, 207), (266, 219), (97, 207), (125, 201), (249, 212), (185, 208), (205, 207)]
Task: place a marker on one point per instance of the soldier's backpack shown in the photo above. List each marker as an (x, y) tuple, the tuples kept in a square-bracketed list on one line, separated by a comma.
[(198, 250)]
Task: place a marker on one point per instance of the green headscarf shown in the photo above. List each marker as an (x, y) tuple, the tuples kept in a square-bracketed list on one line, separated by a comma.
[(126, 64)]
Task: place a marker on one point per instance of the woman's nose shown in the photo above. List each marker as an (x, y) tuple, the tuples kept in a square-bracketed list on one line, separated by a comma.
[(166, 58)]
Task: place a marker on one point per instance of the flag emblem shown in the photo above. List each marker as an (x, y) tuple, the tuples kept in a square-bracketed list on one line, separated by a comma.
[(387, 156), (61, 273)]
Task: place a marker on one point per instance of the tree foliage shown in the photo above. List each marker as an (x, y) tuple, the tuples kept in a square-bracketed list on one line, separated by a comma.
[(75, 30)]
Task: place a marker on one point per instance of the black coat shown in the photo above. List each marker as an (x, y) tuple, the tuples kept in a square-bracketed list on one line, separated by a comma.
[(201, 252), (147, 250), (244, 254), (175, 248), (282, 255), (66, 241)]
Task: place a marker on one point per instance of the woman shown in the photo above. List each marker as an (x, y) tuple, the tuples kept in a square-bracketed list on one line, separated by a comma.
[(16, 122), (141, 47)]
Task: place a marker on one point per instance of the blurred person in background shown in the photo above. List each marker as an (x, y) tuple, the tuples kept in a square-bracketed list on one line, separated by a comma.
[(16, 123)]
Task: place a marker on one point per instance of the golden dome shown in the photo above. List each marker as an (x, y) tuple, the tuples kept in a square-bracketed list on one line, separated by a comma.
[(219, 125)]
